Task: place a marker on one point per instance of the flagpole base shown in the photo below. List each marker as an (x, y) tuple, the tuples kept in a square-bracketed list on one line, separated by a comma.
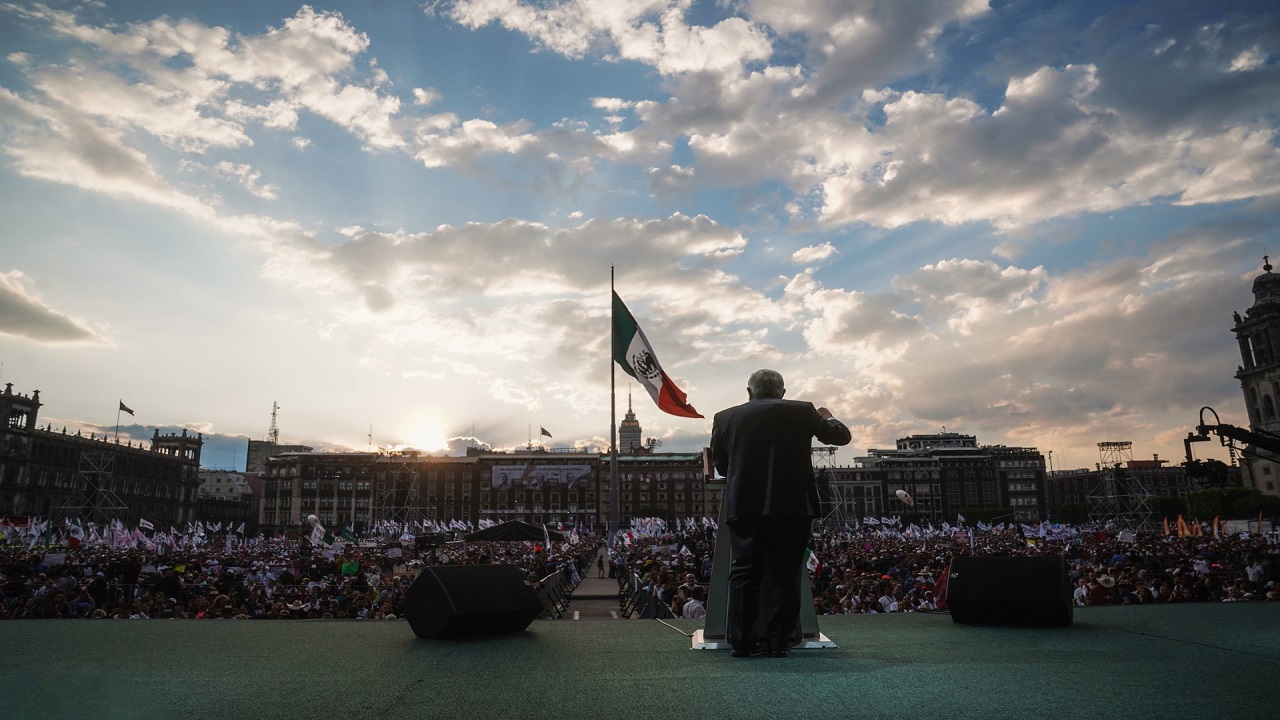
[(700, 642)]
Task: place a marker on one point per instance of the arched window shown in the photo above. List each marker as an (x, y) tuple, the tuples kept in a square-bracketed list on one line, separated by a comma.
[(1268, 408)]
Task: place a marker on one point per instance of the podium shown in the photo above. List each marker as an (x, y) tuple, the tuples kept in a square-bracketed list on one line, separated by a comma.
[(714, 634)]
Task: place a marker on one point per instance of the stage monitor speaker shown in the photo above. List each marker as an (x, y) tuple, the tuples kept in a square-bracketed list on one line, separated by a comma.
[(448, 601), (1001, 590)]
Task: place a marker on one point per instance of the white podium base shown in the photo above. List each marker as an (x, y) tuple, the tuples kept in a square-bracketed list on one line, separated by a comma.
[(700, 643)]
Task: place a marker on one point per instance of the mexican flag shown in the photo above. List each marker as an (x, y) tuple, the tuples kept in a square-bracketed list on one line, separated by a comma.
[(812, 563), (631, 350)]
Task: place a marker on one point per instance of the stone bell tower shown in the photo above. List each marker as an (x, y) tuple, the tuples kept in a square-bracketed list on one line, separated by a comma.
[(1258, 334)]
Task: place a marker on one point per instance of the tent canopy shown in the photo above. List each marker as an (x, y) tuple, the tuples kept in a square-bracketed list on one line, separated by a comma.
[(513, 531)]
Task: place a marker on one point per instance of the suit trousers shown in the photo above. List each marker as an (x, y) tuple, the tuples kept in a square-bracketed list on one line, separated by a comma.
[(764, 581)]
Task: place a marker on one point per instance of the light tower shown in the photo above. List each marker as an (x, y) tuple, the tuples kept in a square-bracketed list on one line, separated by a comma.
[(1119, 501)]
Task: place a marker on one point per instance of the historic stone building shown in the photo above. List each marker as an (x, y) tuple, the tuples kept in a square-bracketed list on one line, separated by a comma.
[(1258, 335), (51, 473), (534, 485), (943, 473), (665, 485), (1067, 488), (629, 432), (226, 497), (364, 488)]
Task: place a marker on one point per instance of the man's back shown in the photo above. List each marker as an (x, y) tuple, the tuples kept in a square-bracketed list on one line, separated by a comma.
[(762, 449)]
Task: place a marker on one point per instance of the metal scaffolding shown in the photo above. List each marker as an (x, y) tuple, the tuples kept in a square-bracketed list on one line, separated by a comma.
[(94, 499), (1119, 501), (402, 503), (831, 496)]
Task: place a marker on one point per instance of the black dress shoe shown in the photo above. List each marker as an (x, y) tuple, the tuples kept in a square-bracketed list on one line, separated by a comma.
[(753, 652), (779, 653)]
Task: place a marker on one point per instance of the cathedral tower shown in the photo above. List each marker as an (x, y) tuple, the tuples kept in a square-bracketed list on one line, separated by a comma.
[(1258, 334)]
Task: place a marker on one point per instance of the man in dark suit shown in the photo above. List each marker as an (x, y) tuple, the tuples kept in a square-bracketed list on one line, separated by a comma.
[(762, 449)]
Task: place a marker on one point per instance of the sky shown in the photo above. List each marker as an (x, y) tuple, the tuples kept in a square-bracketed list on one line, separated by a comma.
[(1025, 221)]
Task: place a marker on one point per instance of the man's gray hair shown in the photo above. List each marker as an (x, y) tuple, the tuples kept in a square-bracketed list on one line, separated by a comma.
[(766, 383)]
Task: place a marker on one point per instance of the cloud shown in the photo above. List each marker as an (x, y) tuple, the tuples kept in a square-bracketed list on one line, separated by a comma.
[(508, 392), (195, 87), (57, 144), (248, 177), (23, 314), (814, 253), (1049, 151), (426, 96), (1030, 356), (828, 125), (865, 44), (654, 32)]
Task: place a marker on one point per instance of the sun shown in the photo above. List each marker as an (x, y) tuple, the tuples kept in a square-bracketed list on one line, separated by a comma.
[(425, 433)]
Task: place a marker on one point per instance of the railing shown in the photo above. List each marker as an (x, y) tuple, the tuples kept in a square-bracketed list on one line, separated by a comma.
[(635, 599), (556, 590)]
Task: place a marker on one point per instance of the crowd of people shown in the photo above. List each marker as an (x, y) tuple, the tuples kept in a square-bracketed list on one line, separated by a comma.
[(860, 572), (276, 579), (852, 572)]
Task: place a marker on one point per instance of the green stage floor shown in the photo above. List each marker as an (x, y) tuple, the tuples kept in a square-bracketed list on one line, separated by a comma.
[(1185, 661)]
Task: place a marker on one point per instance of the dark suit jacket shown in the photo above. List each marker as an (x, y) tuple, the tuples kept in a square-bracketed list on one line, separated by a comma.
[(762, 449)]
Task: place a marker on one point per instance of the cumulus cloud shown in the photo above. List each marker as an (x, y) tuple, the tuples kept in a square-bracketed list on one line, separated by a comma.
[(57, 144), (814, 253), (425, 96), (248, 177), (1031, 356), (654, 32), (864, 44), (23, 314), (204, 101), (1049, 150), (1175, 114)]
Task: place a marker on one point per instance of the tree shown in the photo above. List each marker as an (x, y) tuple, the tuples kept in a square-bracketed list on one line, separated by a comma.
[(1074, 514), (1231, 504), (1169, 506)]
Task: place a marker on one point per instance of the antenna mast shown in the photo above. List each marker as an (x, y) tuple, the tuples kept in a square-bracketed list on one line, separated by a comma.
[(273, 432)]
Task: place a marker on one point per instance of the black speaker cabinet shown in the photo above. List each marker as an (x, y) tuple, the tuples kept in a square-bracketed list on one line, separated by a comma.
[(1009, 590), (450, 601)]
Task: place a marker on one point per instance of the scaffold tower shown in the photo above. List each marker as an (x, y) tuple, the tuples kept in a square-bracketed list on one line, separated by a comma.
[(830, 495), (94, 499), (402, 504), (1119, 501)]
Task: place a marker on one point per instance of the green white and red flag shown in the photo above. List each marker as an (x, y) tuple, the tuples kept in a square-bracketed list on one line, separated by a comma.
[(631, 350)]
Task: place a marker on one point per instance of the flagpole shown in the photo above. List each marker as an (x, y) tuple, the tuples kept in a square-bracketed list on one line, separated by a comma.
[(117, 424), (615, 512)]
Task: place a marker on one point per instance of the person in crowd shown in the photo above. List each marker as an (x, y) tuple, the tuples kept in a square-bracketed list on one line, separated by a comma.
[(694, 609)]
